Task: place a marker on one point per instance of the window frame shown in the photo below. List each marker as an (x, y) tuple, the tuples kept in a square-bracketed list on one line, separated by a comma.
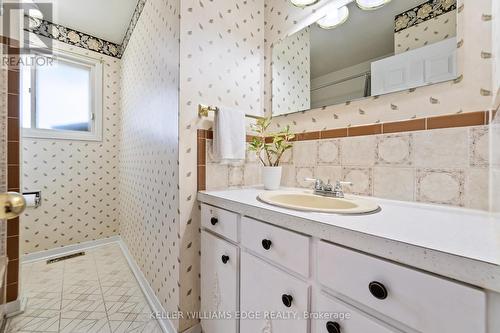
[(96, 101)]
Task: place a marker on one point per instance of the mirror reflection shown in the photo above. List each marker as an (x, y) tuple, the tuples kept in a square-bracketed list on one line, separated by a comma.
[(354, 52)]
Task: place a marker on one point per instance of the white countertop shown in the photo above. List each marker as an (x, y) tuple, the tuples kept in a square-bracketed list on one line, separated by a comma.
[(458, 243)]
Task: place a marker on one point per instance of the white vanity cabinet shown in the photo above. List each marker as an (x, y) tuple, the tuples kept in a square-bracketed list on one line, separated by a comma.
[(284, 281), (267, 291), (219, 283)]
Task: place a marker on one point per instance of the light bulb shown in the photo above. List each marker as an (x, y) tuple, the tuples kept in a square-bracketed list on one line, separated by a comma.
[(303, 3), (334, 18), (371, 4)]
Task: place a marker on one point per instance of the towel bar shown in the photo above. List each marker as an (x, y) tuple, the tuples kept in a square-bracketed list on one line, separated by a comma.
[(203, 111)]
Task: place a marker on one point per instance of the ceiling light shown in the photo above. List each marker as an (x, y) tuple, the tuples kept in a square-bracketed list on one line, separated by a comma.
[(334, 18), (371, 4), (303, 3)]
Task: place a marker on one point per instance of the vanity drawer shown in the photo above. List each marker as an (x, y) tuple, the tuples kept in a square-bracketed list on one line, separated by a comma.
[(344, 317), (268, 291), (286, 248), (421, 301), (220, 221)]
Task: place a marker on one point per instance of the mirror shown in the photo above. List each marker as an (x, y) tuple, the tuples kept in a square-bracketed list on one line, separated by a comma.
[(403, 45)]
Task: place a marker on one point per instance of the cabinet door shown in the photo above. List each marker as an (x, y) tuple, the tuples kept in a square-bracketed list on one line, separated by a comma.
[(276, 301), (219, 284), (335, 316)]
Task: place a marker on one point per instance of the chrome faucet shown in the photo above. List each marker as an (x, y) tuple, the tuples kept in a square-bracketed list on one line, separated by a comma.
[(327, 189)]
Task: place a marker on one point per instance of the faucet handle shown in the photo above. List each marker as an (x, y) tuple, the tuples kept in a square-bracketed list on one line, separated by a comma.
[(318, 183), (341, 183)]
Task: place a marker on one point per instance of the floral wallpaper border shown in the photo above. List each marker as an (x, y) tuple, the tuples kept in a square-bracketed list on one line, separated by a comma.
[(423, 12), (74, 37), (133, 22)]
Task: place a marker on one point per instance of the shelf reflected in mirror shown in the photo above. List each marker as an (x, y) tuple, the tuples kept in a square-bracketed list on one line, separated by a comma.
[(403, 45)]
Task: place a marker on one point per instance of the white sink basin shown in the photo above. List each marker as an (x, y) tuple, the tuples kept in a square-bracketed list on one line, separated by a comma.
[(306, 201)]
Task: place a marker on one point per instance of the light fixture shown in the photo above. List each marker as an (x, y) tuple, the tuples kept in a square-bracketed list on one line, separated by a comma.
[(371, 4), (303, 3), (334, 18)]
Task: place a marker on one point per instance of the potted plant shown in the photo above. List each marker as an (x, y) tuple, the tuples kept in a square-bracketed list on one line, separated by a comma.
[(270, 148)]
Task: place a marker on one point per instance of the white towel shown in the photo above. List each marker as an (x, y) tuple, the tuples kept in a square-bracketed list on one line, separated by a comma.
[(229, 135)]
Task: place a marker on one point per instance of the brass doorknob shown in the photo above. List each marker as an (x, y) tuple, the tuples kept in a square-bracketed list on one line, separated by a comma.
[(12, 205)]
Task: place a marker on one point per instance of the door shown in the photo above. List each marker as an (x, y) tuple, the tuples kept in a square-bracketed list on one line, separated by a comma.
[(219, 284), (275, 300)]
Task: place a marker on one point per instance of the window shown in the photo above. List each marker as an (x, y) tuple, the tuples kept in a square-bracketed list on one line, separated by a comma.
[(62, 99)]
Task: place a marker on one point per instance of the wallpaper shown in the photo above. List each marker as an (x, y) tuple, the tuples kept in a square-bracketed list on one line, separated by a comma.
[(222, 45), (291, 73), (78, 179), (428, 32), (149, 172), (471, 91)]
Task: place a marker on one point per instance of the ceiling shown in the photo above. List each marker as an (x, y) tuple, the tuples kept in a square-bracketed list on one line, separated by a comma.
[(106, 19), (366, 35)]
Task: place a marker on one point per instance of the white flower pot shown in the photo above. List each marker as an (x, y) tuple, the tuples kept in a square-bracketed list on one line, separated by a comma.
[(271, 177)]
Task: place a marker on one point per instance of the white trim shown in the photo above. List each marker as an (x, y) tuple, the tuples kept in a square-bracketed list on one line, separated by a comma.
[(96, 101), (48, 254), (165, 324), (15, 308)]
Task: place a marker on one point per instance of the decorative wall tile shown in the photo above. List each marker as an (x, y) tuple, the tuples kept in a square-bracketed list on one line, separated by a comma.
[(394, 150), (236, 175), (359, 151), (288, 177), (361, 178), (479, 147), (440, 186), (446, 148), (328, 173), (218, 176), (78, 179), (477, 188), (252, 174), (329, 152), (394, 183), (301, 174), (304, 153)]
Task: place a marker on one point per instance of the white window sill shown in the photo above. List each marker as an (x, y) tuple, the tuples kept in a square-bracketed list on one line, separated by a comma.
[(60, 135)]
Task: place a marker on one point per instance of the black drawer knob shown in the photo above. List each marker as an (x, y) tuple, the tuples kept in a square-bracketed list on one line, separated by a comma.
[(225, 259), (287, 300), (266, 244), (332, 327), (214, 220), (378, 290)]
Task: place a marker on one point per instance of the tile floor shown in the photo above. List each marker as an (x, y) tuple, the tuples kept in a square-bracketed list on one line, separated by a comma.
[(93, 293)]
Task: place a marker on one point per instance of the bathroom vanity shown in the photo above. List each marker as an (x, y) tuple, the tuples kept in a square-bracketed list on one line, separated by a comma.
[(407, 268)]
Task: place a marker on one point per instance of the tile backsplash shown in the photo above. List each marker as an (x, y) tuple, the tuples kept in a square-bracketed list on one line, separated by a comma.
[(447, 166)]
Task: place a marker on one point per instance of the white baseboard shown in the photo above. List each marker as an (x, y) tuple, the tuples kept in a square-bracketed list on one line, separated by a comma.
[(194, 329), (154, 303), (166, 325), (15, 308), (65, 250)]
